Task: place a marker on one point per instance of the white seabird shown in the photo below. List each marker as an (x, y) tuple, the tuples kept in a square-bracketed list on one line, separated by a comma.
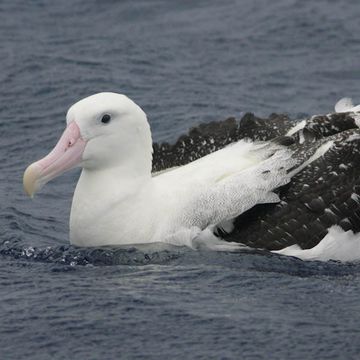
[(118, 201)]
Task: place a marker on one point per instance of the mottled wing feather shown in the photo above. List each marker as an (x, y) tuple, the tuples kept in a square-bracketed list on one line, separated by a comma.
[(325, 193), (207, 138), (320, 126)]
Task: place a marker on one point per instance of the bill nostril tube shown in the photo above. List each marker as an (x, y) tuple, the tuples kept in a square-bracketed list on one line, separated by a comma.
[(69, 144)]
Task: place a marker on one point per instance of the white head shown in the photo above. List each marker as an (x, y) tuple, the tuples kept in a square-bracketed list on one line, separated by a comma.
[(104, 131)]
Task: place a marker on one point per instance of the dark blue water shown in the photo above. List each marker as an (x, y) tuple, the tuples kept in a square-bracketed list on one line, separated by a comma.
[(184, 62)]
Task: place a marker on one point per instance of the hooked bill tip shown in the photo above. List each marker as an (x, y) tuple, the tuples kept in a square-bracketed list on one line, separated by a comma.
[(31, 175)]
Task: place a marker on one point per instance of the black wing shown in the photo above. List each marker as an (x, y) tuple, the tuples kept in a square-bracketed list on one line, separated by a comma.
[(207, 138), (325, 193)]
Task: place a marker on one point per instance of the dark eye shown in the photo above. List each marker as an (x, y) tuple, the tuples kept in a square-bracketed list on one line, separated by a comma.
[(106, 119)]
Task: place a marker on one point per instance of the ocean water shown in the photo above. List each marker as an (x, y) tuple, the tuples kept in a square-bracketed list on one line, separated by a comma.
[(184, 62)]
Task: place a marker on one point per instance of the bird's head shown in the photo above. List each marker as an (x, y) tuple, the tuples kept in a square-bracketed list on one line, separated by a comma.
[(105, 130)]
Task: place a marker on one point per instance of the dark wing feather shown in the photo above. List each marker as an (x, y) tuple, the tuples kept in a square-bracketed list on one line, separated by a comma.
[(325, 193), (207, 138), (320, 126)]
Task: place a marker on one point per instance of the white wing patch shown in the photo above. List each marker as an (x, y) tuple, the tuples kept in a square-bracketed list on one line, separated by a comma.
[(299, 126), (336, 245), (239, 192), (344, 105)]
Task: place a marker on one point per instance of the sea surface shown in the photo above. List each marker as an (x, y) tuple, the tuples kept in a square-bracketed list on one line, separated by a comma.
[(185, 62)]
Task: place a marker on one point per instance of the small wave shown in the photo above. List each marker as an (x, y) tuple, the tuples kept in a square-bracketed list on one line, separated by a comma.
[(107, 256), (66, 257)]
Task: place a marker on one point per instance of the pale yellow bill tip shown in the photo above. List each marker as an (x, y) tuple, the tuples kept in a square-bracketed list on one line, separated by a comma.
[(31, 175)]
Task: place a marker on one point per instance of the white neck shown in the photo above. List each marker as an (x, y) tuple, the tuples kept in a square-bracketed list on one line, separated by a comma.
[(105, 194)]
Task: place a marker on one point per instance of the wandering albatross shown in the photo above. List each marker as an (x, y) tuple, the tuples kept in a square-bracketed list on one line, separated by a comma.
[(244, 183)]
